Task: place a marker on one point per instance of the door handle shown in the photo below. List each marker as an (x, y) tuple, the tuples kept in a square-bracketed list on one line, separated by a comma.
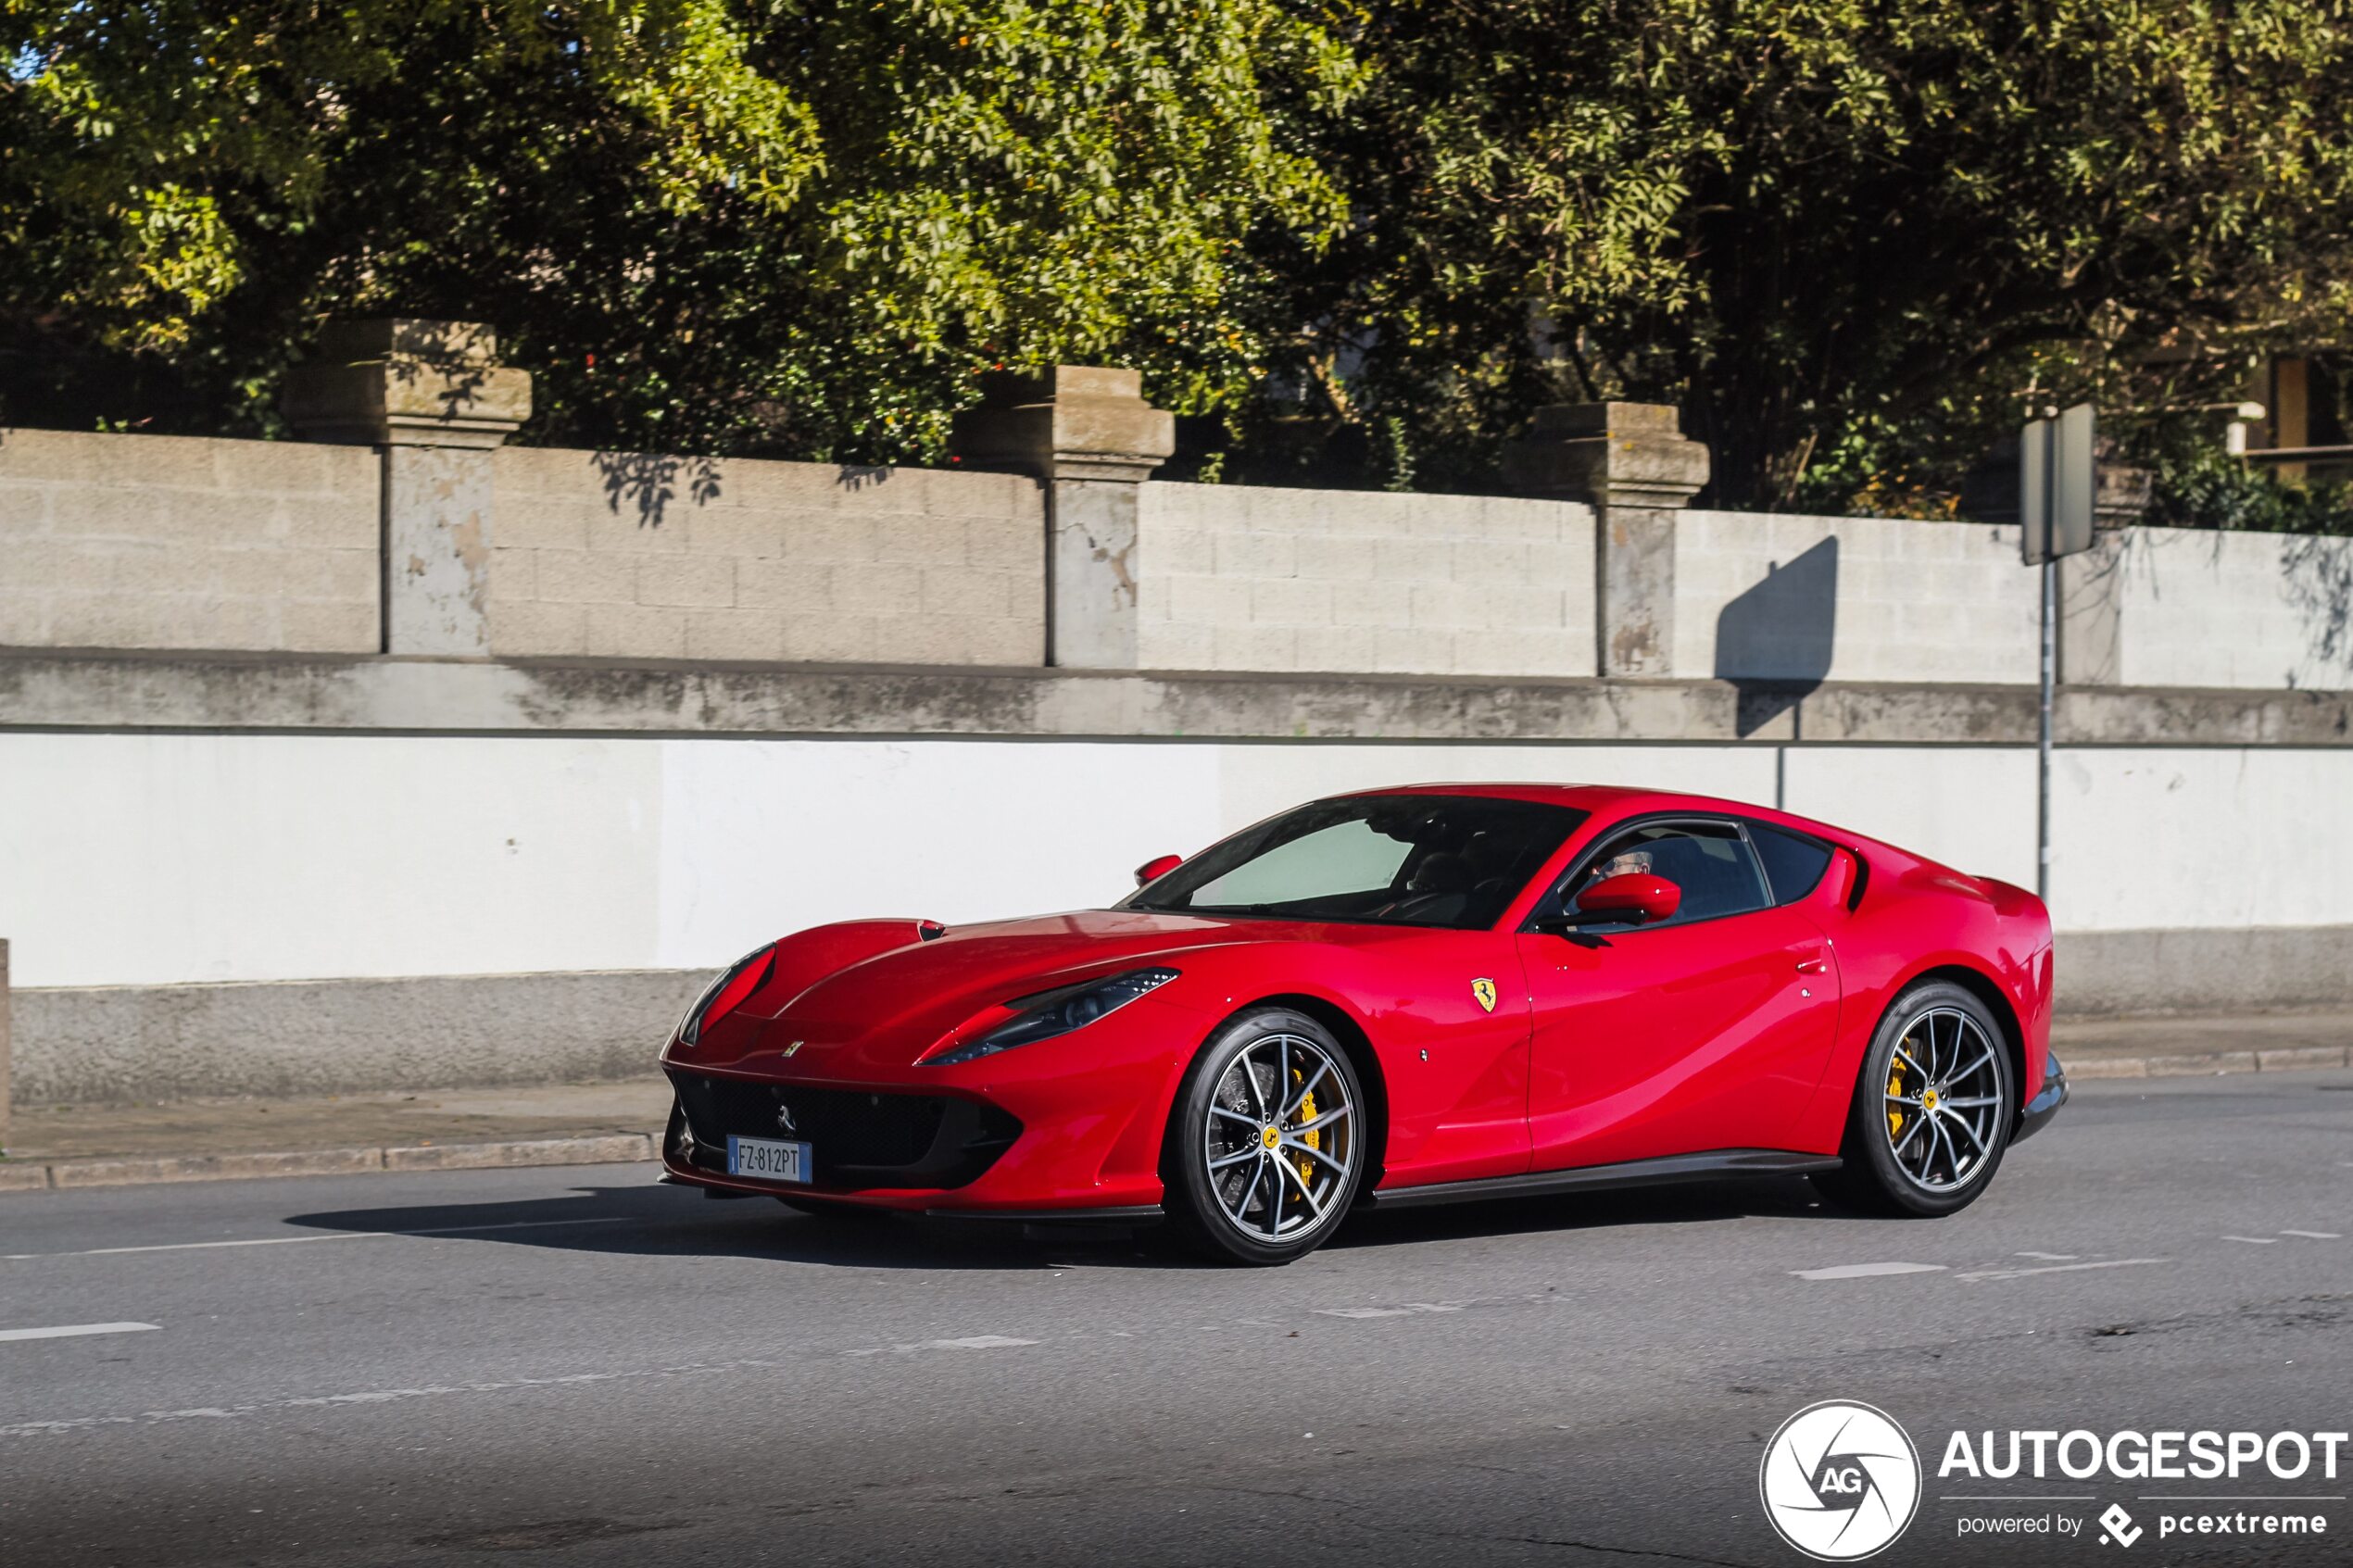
[(1813, 966)]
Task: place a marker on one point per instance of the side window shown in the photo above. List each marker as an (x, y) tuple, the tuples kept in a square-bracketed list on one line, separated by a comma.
[(1709, 861), (1793, 864)]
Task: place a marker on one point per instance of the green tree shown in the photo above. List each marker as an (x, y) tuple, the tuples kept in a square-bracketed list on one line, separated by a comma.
[(1846, 235), (777, 225)]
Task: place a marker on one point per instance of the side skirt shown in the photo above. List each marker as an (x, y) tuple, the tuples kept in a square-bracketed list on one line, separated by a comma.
[(1715, 1165), (1112, 1216)]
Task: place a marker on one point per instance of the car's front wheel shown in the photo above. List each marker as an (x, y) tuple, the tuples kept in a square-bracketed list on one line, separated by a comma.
[(1265, 1144), (1933, 1108)]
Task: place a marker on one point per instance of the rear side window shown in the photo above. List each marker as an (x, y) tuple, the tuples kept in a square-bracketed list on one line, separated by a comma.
[(1793, 864)]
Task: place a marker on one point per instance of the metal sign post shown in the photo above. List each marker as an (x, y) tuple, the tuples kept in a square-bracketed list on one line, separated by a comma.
[(2057, 482)]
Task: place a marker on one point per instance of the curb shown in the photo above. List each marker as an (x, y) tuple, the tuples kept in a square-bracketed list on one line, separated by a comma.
[(2289, 1059), (604, 1149)]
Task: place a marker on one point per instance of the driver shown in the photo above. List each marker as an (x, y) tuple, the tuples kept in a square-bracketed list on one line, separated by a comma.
[(1631, 863)]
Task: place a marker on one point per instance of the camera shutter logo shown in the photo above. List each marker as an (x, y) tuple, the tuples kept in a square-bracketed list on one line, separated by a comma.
[(1840, 1481)]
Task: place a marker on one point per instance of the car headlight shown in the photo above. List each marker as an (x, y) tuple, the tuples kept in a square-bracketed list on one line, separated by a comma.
[(733, 987), (1048, 1013)]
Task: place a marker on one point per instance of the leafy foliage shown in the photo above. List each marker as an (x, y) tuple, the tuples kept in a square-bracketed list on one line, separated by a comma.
[(713, 224), (1359, 240), (1811, 220), (2200, 488)]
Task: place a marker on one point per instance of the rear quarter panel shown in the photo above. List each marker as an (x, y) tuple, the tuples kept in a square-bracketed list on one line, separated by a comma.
[(1916, 917)]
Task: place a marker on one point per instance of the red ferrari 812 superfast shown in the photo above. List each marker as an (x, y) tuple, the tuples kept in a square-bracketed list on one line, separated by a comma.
[(1407, 995)]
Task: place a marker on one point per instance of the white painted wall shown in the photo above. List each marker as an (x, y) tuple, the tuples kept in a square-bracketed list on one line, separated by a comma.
[(1770, 596), (151, 859), (2203, 608)]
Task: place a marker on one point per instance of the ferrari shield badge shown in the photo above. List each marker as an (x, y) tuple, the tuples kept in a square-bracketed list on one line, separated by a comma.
[(1484, 989)]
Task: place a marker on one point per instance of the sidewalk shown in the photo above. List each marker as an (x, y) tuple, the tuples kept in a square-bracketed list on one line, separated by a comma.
[(595, 1123), (446, 1129), (2171, 1048)]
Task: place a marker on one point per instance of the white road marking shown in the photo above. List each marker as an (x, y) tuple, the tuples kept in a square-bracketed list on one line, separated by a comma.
[(2315, 1235), (2052, 1257), (371, 1397), (970, 1342), (1868, 1271), (2061, 1268), (2254, 1240), (75, 1330), (330, 1236)]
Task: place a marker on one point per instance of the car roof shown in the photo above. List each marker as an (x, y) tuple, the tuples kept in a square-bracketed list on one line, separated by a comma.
[(1597, 798), (1612, 801)]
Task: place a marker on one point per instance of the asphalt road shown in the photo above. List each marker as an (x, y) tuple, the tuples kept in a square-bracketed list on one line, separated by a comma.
[(579, 1366)]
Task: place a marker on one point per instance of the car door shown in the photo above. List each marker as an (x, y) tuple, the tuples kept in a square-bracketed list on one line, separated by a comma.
[(1707, 1030)]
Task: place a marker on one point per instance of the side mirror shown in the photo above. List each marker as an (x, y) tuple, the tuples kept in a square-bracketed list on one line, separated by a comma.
[(1157, 867), (1633, 898)]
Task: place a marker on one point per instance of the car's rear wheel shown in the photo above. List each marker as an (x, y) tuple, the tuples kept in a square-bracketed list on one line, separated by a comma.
[(1933, 1108), (1265, 1148)]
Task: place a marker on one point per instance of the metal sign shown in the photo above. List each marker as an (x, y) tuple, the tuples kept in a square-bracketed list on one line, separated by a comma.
[(2057, 483)]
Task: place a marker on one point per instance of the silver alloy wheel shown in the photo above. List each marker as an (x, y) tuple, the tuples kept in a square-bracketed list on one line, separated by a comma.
[(1280, 1139), (1944, 1100)]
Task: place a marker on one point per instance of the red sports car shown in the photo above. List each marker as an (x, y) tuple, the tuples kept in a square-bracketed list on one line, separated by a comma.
[(1408, 995)]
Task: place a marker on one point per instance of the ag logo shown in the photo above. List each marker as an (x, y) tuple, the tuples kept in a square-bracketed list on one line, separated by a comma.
[(1840, 1481), (1484, 989)]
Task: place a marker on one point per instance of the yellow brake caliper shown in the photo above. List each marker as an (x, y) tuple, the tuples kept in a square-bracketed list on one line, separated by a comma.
[(1315, 1139), (1895, 1087)]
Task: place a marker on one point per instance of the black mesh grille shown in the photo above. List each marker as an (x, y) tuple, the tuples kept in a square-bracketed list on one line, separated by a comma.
[(857, 1138)]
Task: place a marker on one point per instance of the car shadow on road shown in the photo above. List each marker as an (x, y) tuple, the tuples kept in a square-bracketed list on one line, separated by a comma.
[(1681, 1204), (667, 1222)]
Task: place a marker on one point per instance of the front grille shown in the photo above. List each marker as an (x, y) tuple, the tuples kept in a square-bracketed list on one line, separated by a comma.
[(857, 1137)]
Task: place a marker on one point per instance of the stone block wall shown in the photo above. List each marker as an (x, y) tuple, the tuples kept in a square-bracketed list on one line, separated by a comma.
[(634, 556), (157, 543), (1772, 597), (168, 542), (2202, 608), (1231, 577)]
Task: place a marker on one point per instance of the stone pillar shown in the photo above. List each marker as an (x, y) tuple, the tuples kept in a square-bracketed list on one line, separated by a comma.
[(1088, 435), (1633, 464), (432, 397)]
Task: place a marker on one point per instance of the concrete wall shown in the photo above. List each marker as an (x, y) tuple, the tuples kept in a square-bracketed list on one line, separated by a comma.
[(161, 541), (387, 855), (347, 857), (155, 541), (1779, 597), (615, 554), (1231, 577), (2202, 608)]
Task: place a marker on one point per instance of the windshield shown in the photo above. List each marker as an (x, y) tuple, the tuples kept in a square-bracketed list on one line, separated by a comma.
[(1454, 861)]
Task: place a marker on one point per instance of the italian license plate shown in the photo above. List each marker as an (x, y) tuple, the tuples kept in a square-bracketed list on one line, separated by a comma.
[(768, 1160)]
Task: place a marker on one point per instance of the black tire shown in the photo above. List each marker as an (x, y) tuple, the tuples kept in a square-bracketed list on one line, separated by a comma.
[(1887, 1169), (1200, 1201)]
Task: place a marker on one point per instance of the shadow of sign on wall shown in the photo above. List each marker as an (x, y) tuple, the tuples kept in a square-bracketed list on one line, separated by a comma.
[(1773, 642)]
